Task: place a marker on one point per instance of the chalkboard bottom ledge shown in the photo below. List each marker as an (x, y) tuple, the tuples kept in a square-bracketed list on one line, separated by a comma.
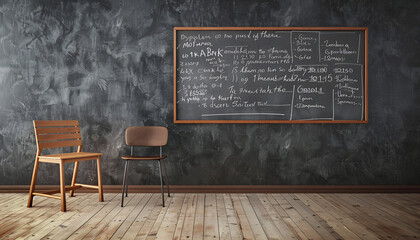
[(237, 188)]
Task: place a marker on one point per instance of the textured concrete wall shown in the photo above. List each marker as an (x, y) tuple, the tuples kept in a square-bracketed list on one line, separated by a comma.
[(109, 64)]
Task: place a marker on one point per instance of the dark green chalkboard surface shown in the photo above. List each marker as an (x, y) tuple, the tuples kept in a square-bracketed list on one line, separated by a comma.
[(270, 75)]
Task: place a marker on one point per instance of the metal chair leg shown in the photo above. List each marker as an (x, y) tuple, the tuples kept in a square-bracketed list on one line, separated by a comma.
[(161, 184), (126, 180), (124, 183), (166, 178)]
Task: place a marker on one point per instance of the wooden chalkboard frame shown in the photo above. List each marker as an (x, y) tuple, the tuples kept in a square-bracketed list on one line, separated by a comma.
[(365, 29)]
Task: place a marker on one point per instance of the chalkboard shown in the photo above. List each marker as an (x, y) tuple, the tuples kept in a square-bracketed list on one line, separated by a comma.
[(270, 75)]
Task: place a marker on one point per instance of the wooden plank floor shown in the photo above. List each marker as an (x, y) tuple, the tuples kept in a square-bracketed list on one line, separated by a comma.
[(213, 216)]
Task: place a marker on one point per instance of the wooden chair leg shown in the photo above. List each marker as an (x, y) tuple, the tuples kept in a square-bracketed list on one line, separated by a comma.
[(62, 188), (73, 180), (33, 182), (100, 189)]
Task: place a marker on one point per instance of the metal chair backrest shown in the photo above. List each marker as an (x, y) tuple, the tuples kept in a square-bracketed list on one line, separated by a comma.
[(55, 134), (146, 136)]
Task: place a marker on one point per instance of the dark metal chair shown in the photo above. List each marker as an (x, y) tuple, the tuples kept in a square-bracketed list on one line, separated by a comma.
[(145, 137)]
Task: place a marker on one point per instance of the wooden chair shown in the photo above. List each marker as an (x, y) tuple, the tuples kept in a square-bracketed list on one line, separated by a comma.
[(145, 137), (55, 134)]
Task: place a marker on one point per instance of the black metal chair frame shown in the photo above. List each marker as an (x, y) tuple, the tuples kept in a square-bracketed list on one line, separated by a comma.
[(125, 178)]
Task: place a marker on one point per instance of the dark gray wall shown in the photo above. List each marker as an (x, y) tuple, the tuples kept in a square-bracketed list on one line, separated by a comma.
[(110, 65)]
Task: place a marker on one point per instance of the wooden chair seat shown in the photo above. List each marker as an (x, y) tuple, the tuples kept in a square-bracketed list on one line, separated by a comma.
[(143, 158), (69, 157), (57, 134)]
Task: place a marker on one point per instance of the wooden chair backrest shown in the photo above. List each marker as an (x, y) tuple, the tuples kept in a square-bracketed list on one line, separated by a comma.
[(55, 134), (147, 136)]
